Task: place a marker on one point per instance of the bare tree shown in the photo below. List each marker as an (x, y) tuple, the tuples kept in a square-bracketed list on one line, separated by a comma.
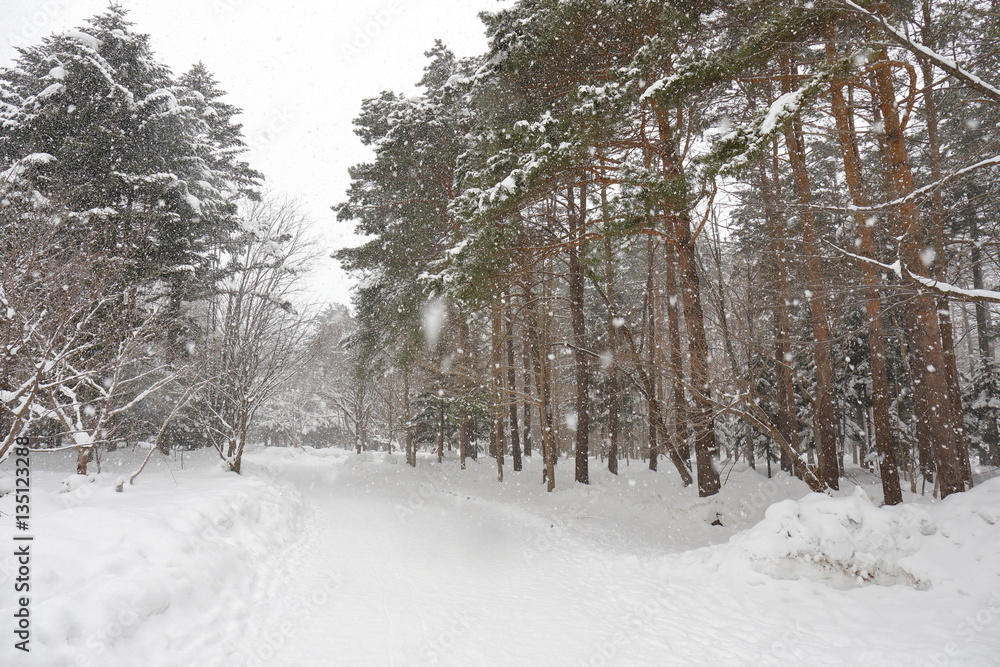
[(77, 349), (256, 334)]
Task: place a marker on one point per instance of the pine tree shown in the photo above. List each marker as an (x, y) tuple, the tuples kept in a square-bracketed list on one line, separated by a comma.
[(142, 178)]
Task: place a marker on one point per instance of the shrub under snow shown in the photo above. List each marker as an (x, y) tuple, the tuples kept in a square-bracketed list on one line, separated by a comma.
[(849, 541)]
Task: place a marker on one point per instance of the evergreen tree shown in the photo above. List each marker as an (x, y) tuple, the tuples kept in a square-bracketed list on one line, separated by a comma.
[(142, 178)]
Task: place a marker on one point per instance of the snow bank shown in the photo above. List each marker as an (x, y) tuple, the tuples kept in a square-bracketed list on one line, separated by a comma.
[(849, 542), (169, 572)]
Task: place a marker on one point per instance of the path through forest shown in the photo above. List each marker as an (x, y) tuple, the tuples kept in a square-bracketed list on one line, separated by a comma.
[(408, 567)]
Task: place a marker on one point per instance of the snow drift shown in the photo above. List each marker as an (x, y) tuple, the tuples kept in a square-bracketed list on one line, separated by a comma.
[(848, 542)]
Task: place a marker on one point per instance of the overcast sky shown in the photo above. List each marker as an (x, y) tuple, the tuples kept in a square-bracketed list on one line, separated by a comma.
[(299, 71)]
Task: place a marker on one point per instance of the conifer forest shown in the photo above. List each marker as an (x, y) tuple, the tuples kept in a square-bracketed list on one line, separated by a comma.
[(671, 337)]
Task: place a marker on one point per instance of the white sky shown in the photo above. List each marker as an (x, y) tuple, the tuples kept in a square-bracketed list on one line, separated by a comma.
[(299, 70)]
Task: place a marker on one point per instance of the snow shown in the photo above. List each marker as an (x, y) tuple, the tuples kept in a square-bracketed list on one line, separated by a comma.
[(193, 202), (657, 86), (14, 172), (51, 90), (320, 557), (845, 542), (787, 104), (168, 572), (925, 190), (933, 285), (746, 142), (435, 313), (509, 184), (91, 41), (81, 438), (165, 95), (943, 62)]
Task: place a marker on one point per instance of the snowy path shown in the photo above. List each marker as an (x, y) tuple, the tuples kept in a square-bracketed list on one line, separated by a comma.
[(322, 557), (430, 577), (408, 567)]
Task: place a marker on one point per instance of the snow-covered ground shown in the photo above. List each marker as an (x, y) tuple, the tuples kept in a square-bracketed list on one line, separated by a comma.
[(324, 557)]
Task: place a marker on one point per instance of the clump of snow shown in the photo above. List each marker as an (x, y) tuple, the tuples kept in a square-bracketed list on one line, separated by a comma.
[(73, 483), (435, 313), (51, 90), (193, 202), (85, 38), (841, 541), (849, 542), (8, 484)]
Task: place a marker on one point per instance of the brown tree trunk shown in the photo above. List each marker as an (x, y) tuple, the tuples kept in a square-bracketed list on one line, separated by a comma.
[(465, 427), (884, 442), (658, 428), (497, 373), (539, 353), (526, 412), (940, 264), (924, 332), (614, 388), (702, 416), (786, 416), (577, 220), (440, 438), (675, 354), (983, 338), (649, 315), (954, 385), (515, 435), (411, 452), (824, 427), (82, 457)]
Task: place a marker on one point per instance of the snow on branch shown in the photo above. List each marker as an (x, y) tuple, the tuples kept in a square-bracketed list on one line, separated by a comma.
[(921, 191), (944, 63), (737, 150), (938, 287)]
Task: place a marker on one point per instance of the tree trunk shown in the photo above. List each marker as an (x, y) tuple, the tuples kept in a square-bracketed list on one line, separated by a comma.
[(930, 371), (440, 439), (884, 442), (940, 263), (649, 315), (541, 363), (515, 435), (675, 354), (526, 412), (982, 310), (82, 457), (702, 415), (786, 415), (983, 338), (497, 373), (577, 220), (411, 452), (465, 427), (614, 388), (823, 413)]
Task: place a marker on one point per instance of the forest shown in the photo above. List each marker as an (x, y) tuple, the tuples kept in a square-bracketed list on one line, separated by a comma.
[(672, 337), (697, 233), (630, 233), (147, 286)]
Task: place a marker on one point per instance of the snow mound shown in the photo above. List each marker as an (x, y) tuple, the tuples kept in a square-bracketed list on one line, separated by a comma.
[(167, 573), (73, 483), (849, 542), (844, 542)]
